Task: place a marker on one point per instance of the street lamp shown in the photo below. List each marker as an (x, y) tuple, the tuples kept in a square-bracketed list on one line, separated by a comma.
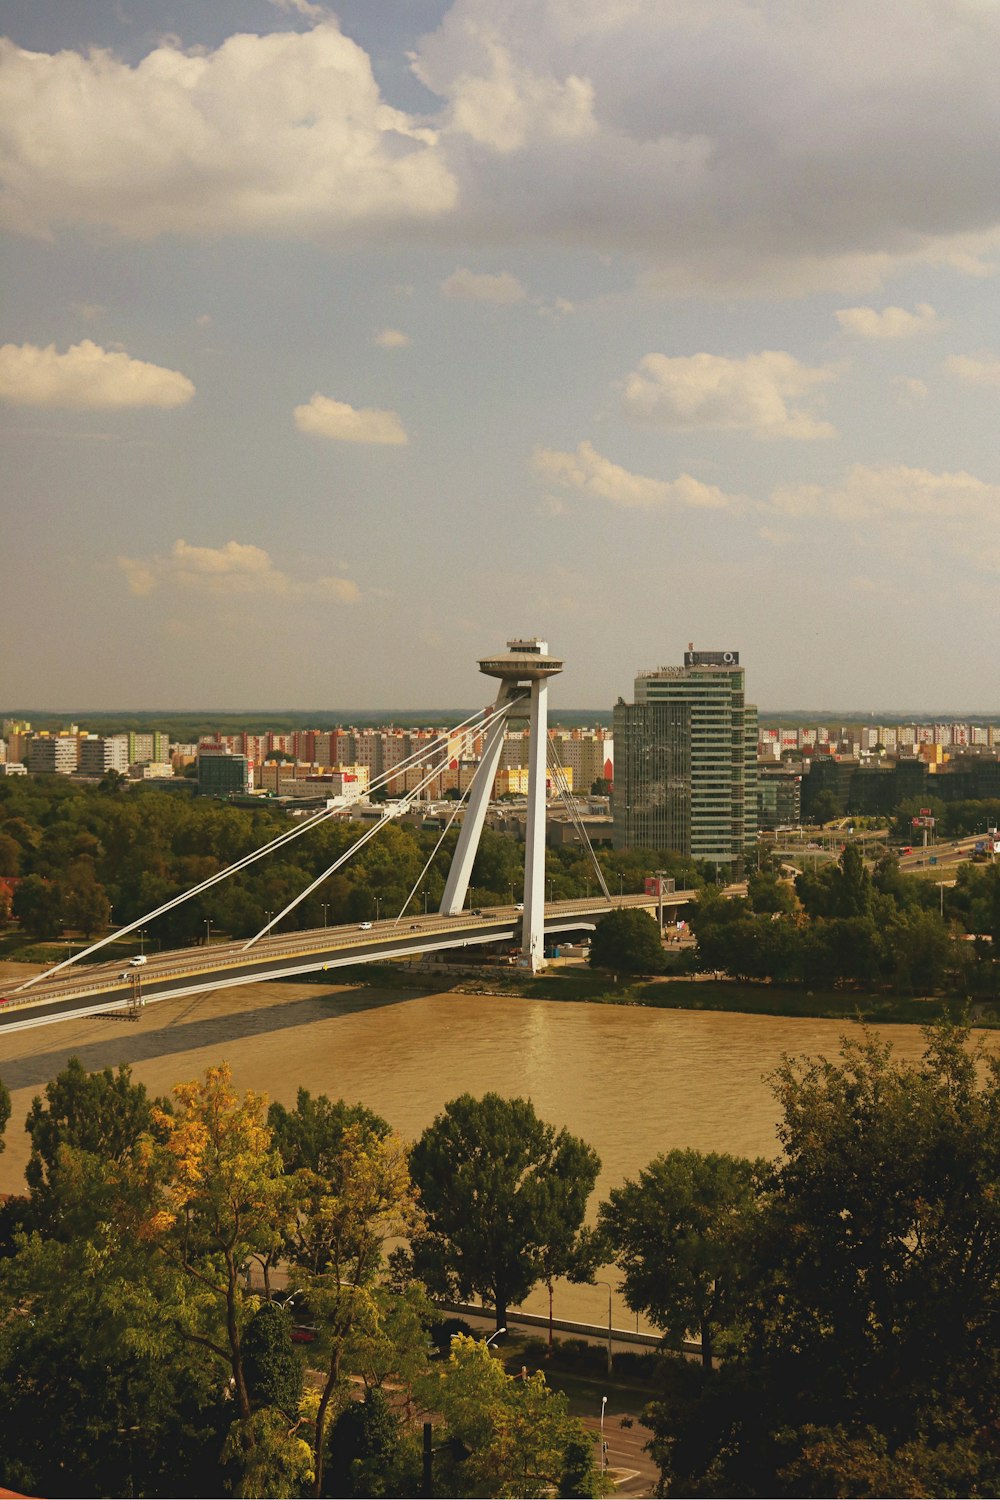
[(494, 1336), (142, 936), (425, 903), (621, 884), (550, 893), (604, 1451), (208, 931), (378, 904), (608, 1285), (326, 908)]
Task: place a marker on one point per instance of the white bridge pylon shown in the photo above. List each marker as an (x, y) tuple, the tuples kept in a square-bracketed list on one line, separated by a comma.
[(524, 671)]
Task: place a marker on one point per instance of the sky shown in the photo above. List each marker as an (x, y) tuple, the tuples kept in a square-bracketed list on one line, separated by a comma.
[(339, 345)]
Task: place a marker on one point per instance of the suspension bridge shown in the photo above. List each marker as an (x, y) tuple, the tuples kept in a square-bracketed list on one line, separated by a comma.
[(74, 988)]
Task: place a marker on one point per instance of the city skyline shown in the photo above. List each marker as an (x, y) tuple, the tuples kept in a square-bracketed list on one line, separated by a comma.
[(624, 325)]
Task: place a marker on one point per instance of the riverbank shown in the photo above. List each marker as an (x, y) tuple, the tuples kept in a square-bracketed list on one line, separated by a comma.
[(694, 992)]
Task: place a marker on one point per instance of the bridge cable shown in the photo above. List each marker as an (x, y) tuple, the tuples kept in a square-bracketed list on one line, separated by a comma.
[(444, 832), (402, 806), (577, 821), (247, 859)]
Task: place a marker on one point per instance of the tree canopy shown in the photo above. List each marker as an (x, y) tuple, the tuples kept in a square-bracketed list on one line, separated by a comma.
[(504, 1195)]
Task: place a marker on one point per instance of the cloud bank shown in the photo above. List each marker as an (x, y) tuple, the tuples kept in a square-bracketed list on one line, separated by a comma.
[(237, 569), (731, 145)]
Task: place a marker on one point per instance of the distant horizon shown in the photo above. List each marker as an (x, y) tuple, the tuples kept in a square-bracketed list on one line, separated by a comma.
[(389, 715)]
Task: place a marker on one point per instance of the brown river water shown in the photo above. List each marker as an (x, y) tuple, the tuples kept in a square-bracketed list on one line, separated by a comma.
[(632, 1082)]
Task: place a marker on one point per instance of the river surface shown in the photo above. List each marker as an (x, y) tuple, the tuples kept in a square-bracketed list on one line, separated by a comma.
[(632, 1082)]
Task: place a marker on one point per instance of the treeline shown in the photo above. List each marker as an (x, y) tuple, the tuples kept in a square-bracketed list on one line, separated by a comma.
[(951, 819), (847, 1295), (86, 856), (846, 924), (146, 1350)]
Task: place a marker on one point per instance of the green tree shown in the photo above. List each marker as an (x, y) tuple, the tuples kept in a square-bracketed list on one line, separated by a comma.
[(335, 1241), (871, 1323), (370, 1453), (505, 1196), (509, 1437), (104, 1115), (766, 893), (825, 807), (100, 1394), (273, 1371), (678, 1235), (627, 942), (84, 900), (37, 905)]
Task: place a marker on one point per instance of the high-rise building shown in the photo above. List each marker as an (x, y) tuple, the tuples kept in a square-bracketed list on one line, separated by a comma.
[(220, 773), (52, 754), (100, 754), (686, 761)]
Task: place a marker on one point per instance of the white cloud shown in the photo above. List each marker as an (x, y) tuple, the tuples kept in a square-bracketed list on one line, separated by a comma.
[(171, 146), (752, 394), (592, 474), (895, 493), (984, 370), (735, 146), (326, 418), (890, 323), (86, 377), (392, 338), (506, 104), (236, 569), (473, 286)]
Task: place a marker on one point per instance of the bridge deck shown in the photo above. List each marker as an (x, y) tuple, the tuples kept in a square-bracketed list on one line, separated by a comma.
[(189, 971)]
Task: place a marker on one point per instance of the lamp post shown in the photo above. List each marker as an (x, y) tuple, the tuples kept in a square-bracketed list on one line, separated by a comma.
[(604, 1451), (326, 908), (208, 931), (378, 905), (608, 1285), (425, 902), (493, 1336), (659, 891), (142, 938), (621, 884)]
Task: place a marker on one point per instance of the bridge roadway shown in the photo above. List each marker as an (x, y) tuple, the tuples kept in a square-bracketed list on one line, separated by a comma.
[(94, 988)]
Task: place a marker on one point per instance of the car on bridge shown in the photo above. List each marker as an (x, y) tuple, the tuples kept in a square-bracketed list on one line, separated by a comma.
[(364, 926)]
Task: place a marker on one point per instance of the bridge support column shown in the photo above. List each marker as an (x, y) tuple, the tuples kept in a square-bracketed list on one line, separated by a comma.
[(533, 929), (457, 884)]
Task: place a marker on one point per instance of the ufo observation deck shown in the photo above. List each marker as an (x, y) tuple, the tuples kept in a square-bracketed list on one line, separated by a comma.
[(523, 661)]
